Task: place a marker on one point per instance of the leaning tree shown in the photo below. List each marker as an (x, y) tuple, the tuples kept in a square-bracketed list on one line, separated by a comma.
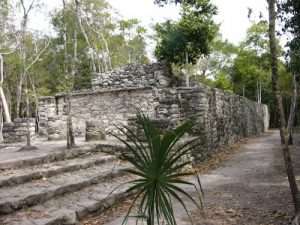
[(283, 131)]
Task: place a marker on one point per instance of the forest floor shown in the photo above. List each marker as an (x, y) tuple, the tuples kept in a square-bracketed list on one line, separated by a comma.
[(245, 184)]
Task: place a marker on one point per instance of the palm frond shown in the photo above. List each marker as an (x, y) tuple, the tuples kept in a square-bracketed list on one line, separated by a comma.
[(158, 166)]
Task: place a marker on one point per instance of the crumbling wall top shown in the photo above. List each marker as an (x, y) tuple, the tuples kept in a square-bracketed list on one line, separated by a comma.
[(136, 75)]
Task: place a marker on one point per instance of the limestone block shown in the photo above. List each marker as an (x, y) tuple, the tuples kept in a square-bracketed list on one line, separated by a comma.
[(94, 130)]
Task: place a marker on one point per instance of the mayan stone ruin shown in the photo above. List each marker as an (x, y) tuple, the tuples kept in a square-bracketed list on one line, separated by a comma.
[(55, 185), (221, 118)]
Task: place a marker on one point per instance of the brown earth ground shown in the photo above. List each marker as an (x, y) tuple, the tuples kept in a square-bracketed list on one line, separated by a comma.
[(245, 184)]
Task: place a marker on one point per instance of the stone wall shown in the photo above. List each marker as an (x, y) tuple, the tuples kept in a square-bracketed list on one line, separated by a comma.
[(110, 106), (47, 108), (17, 131), (136, 75), (220, 118)]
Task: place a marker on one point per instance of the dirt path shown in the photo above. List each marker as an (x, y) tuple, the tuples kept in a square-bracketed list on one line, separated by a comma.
[(250, 188)]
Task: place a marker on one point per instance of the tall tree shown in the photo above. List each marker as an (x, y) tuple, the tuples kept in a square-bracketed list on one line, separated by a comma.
[(283, 132), (22, 50), (289, 13), (65, 38), (183, 42), (67, 78), (6, 34)]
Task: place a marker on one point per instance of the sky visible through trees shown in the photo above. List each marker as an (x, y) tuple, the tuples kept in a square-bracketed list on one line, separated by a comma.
[(231, 13)]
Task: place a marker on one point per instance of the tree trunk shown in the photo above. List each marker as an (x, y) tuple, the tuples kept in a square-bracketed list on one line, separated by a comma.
[(259, 89), (107, 56), (187, 80), (257, 92), (19, 96), (65, 41), (70, 133), (37, 116), (70, 136), (1, 125), (86, 38), (291, 120), (74, 69), (283, 133), (27, 110), (6, 114)]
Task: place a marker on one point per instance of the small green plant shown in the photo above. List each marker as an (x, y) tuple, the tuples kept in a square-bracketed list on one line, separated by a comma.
[(158, 166)]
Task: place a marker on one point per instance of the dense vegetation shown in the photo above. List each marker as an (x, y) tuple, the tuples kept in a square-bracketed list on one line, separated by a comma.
[(96, 39), (89, 36)]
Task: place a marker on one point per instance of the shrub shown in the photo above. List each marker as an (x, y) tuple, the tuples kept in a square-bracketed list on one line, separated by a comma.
[(158, 168)]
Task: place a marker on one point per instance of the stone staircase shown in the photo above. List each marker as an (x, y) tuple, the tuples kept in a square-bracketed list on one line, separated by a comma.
[(59, 187)]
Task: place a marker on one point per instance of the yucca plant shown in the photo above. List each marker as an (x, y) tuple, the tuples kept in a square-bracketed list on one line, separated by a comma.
[(158, 166)]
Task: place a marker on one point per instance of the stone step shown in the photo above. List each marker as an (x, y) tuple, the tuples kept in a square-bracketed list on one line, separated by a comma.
[(39, 191), (19, 176), (38, 159), (71, 208)]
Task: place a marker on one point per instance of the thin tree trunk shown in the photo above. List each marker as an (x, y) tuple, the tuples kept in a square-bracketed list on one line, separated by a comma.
[(283, 132), (19, 96), (291, 120), (86, 38), (27, 109), (257, 92), (70, 133), (1, 125), (259, 89), (70, 136), (65, 41), (187, 80), (107, 58), (36, 103), (129, 57), (74, 70), (22, 52), (6, 114), (99, 64)]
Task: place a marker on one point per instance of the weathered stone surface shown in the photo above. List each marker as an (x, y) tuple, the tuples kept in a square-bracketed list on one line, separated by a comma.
[(94, 130), (135, 75), (14, 198), (220, 118), (47, 108), (16, 131), (60, 191)]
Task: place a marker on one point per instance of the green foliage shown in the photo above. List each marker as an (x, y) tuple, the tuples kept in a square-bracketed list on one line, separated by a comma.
[(222, 82), (124, 39), (204, 80), (257, 37), (163, 2), (128, 44), (289, 13), (214, 70), (159, 170), (190, 35), (252, 68), (248, 70)]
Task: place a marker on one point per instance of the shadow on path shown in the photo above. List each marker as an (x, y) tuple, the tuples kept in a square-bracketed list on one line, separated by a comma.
[(250, 188)]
